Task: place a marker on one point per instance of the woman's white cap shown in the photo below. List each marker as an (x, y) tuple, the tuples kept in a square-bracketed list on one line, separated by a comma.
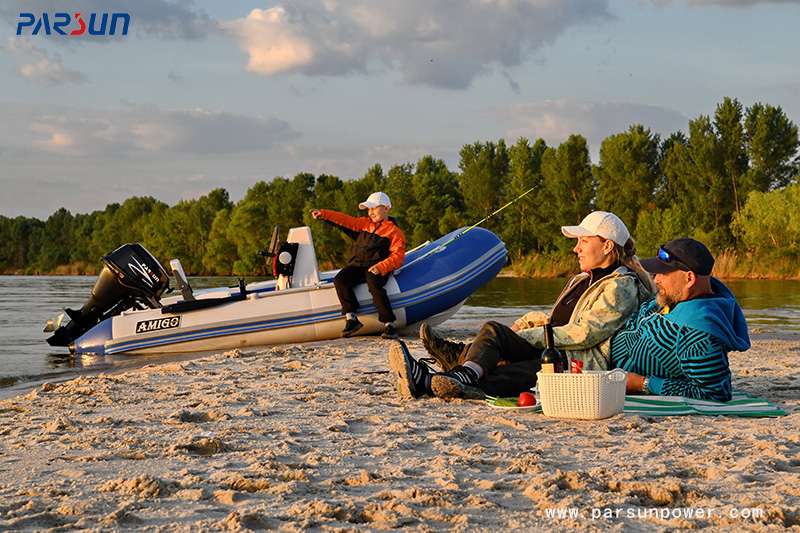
[(375, 199), (601, 224)]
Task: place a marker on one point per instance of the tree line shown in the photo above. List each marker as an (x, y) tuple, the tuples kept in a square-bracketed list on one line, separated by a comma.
[(731, 182)]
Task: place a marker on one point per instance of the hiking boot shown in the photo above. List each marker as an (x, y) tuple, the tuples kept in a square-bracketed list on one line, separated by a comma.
[(350, 327), (411, 374), (445, 353), (390, 332), (460, 382)]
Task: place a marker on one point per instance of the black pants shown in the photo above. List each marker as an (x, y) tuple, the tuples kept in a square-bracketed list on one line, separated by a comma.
[(349, 277), (509, 362)]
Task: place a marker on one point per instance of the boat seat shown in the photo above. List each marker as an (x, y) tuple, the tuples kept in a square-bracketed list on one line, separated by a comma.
[(180, 280)]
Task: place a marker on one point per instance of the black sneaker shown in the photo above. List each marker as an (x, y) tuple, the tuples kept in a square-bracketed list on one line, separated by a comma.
[(390, 332), (460, 382), (350, 327), (446, 354), (411, 374)]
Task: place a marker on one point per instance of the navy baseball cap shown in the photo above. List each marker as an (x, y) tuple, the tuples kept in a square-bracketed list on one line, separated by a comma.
[(680, 254)]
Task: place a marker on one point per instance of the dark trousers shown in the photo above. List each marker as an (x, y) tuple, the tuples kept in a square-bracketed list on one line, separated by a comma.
[(509, 362), (349, 277)]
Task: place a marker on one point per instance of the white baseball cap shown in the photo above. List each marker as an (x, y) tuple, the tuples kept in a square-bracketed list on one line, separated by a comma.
[(375, 199), (600, 224)]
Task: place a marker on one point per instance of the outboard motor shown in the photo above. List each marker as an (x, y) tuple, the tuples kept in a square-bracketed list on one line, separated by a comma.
[(131, 279)]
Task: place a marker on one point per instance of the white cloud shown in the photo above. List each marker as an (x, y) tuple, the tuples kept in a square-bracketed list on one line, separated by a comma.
[(34, 63), (434, 42), (78, 132)]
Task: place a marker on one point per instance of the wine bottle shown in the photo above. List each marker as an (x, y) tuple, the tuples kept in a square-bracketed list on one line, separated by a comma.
[(552, 362)]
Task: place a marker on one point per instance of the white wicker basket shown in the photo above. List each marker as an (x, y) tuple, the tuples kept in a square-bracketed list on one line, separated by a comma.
[(588, 396)]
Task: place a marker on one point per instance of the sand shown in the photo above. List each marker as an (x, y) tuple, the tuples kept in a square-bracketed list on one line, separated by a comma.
[(314, 438)]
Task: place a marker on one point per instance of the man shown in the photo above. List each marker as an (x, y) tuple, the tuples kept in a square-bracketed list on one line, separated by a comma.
[(380, 248), (677, 344)]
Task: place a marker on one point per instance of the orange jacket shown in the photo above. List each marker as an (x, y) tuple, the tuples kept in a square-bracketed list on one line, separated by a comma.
[(382, 244)]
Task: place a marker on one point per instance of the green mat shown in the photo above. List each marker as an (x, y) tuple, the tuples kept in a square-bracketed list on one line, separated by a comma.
[(740, 405)]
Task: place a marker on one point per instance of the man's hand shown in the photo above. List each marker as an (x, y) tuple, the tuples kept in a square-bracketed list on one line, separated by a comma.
[(374, 270), (316, 213), (634, 383)]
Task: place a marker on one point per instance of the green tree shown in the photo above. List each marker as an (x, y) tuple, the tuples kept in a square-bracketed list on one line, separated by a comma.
[(772, 142), (125, 223), (372, 181), (675, 169), (399, 185), (56, 242), (83, 249), (628, 174), (183, 230), (221, 253), (523, 220), (20, 243), (250, 227), (286, 201), (438, 198), (484, 176), (657, 227), (718, 153), (770, 221), (728, 122), (174, 234), (570, 187), (217, 200)]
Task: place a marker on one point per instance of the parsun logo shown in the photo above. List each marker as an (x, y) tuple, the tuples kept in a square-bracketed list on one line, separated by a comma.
[(64, 24)]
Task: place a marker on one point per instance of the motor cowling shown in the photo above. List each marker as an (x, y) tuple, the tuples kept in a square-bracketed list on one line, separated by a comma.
[(131, 279), (285, 259)]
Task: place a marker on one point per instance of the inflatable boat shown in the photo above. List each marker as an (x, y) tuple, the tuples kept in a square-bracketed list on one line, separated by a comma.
[(128, 312)]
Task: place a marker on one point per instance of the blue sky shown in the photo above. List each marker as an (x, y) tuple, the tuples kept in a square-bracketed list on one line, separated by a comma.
[(215, 93)]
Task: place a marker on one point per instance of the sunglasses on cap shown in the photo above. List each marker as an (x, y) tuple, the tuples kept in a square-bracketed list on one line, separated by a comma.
[(666, 257)]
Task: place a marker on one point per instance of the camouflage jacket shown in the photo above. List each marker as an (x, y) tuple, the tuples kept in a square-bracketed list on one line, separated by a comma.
[(600, 312)]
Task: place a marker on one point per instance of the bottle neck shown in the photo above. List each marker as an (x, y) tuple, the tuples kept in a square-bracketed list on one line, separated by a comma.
[(548, 336)]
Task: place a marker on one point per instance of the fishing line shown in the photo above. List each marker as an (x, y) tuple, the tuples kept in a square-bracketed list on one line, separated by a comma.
[(466, 230)]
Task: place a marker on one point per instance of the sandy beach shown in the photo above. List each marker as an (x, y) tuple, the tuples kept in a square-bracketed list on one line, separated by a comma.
[(314, 438)]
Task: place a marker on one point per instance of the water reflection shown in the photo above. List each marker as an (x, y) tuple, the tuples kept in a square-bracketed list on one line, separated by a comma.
[(769, 304)]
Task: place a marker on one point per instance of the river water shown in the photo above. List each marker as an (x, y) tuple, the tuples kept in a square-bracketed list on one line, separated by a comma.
[(27, 302)]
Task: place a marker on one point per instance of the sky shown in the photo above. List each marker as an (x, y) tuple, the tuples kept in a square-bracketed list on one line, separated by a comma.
[(204, 94)]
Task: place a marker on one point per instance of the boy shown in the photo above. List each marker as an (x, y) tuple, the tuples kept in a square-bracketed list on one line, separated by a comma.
[(380, 248)]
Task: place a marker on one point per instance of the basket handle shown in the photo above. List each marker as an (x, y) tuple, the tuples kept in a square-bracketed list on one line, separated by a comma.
[(617, 375)]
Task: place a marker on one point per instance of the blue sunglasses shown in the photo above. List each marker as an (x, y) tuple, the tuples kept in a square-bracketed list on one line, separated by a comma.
[(665, 256)]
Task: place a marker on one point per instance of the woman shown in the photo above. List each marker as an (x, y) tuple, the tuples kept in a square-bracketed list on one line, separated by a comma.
[(503, 361)]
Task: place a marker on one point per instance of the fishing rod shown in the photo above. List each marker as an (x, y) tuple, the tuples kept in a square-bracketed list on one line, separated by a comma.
[(441, 246)]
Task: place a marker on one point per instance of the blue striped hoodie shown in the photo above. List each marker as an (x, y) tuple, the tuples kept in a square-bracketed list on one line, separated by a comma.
[(686, 350)]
